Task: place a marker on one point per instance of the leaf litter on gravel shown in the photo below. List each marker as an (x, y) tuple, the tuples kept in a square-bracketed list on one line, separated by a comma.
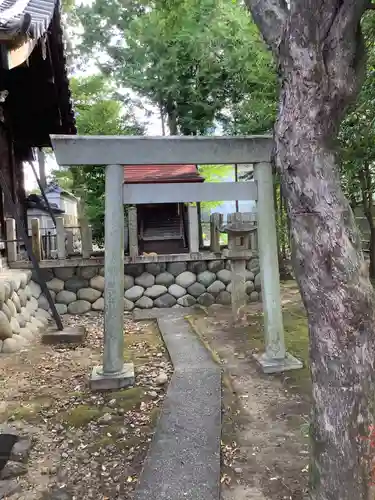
[(88, 445)]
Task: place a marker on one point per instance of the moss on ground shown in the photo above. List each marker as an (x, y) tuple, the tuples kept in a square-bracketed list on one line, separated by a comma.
[(27, 412), (128, 399), (251, 339), (81, 415), (296, 341), (112, 435), (77, 394), (154, 415)]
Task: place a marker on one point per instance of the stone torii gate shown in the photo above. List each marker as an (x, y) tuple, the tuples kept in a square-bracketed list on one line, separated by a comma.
[(117, 151)]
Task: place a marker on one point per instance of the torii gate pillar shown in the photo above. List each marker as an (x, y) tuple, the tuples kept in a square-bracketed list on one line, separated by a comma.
[(114, 374)]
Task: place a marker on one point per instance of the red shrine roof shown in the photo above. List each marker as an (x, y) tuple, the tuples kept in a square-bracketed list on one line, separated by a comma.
[(152, 174)]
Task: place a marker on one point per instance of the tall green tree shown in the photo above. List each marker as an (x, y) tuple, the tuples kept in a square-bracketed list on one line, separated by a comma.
[(98, 112), (197, 61)]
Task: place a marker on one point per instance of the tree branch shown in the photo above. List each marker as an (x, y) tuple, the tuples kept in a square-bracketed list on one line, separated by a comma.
[(270, 17), (344, 46), (348, 16)]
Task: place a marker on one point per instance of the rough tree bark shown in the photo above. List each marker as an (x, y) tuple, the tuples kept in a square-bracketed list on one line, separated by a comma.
[(319, 50)]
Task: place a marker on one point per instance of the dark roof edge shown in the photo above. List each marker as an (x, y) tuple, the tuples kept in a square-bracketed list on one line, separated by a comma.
[(56, 38)]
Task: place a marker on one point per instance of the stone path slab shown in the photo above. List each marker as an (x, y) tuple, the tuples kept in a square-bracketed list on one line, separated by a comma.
[(156, 312), (183, 462)]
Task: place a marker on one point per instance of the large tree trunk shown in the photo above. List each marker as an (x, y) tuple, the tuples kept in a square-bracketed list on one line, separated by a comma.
[(334, 283), (319, 50)]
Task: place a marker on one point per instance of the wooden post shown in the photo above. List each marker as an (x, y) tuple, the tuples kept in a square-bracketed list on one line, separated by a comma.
[(86, 242), (253, 235), (35, 239), (60, 238), (86, 238), (90, 236), (216, 221), (193, 228), (200, 231), (69, 242), (11, 240), (133, 231), (253, 240)]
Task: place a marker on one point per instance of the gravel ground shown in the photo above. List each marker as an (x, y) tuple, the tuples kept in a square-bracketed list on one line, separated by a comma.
[(84, 445)]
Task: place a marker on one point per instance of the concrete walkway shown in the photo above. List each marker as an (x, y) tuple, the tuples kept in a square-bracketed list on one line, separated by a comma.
[(183, 462)]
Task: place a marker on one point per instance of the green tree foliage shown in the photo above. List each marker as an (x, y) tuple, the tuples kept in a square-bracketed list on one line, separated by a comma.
[(198, 61), (357, 145), (213, 173), (98, 112), (62, 177), (252, 104)]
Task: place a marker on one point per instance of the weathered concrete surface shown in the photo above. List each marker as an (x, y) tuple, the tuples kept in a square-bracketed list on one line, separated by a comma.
[(183, 462)]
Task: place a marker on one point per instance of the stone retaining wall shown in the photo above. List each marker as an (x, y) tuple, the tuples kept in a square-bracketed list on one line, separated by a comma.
[(171, 284), (20, 316)]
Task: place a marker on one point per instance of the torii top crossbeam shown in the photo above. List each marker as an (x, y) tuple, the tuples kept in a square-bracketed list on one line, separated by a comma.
[(143, 150)]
